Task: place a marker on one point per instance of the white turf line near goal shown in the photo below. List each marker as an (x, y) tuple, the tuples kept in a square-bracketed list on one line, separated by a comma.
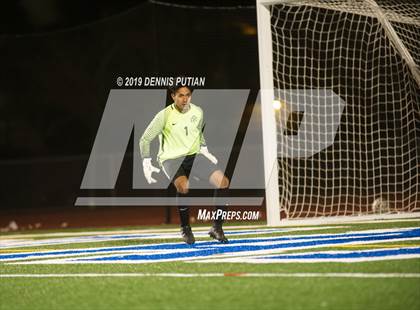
[(368, 53)]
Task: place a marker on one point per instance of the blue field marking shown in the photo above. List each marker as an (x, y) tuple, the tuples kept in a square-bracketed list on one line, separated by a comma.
[(118, 237), (243, 244), (336, 256), (205, 251), (345, 254), (181, 251), (350, 237)]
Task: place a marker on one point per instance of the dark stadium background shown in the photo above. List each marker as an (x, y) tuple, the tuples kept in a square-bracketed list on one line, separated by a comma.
[(59, 60)]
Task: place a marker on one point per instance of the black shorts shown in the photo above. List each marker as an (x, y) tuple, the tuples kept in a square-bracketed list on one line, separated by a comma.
[(182, 166)]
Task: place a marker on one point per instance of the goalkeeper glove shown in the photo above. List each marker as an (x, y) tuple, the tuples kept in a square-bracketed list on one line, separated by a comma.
[(148, 169), (206, 153)]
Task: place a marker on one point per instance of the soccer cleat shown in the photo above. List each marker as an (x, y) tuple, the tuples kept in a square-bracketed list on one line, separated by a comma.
[(216, 232), (187, 234)]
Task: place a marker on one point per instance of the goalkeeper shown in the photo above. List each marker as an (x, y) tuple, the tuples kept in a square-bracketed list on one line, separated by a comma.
[(180, 130)]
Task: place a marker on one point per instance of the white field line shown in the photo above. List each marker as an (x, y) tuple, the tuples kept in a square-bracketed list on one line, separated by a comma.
[(375, 218), (226, 257), (92, 255), (285, 223), (73, 259), (19, 243), (416, 219), (267, 259), (315, 238), (194, 275), (157, 231), (126, 231)]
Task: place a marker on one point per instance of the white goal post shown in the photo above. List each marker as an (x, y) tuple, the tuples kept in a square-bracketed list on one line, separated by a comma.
[(367, 54)]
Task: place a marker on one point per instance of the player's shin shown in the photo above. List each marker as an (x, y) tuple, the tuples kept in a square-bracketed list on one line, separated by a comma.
[(184, 211), (221, 209), (184, 216), (216, 231)]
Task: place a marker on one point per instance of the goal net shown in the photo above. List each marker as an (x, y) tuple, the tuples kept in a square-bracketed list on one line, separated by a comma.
[(368, 54)]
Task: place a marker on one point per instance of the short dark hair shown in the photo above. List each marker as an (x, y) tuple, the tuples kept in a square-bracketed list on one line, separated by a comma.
[(173, 89)]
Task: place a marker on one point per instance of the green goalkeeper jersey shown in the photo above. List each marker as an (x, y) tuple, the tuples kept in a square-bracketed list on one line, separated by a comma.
[(180, 134)]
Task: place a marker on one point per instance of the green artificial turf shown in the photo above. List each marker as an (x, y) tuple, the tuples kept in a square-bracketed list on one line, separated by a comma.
[(226, 292)]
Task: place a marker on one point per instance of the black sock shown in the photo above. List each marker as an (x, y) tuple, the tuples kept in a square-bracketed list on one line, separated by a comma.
[(184, 212), (221, 192), (184, 216)]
